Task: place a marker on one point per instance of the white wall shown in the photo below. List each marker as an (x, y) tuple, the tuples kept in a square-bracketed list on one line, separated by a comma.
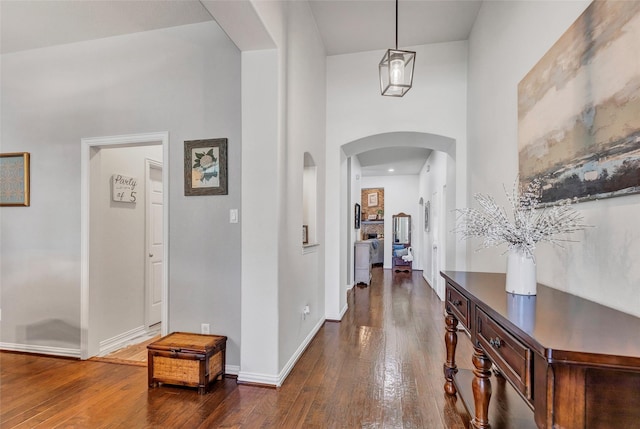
[(432, 181), (260, 232), (400, 196), (259, 352), (506, 42), (302, 274), (184, 80), (285, 126), (355, 109), (355, 197)]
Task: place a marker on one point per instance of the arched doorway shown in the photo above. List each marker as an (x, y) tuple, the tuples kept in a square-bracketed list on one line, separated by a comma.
[(436, 193)]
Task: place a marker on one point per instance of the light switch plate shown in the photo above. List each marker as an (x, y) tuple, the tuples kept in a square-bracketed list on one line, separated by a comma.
[(233, 216)]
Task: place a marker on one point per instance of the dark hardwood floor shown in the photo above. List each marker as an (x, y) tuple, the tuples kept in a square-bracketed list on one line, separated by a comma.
[(381, 367)]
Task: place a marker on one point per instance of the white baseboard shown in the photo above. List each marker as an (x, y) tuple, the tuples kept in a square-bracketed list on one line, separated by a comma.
[(255, 378), (343, 311), (44, 350), (231, 369), (75, 353), (276, 381), (121, 340), (294, 358), (427, 279), (337, 317)]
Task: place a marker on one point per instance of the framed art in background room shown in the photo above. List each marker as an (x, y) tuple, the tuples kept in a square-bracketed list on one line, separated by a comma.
[(372, 199), (427, 213), (356, 214), (14, 179), (205, 167)]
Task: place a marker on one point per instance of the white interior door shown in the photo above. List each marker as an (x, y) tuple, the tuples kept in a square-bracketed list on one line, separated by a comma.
[(154, 237)]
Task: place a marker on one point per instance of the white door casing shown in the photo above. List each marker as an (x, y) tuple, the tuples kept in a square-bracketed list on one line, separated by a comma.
[(438, 228), (442, 251), (435, 242), (88, 344), (154, 265)]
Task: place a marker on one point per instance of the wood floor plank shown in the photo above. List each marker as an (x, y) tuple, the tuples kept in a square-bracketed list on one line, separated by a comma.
[(380, 367), (82, 398)]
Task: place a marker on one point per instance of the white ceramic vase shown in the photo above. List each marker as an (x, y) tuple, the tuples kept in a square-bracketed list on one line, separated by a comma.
[(521, 310), (521, 273)]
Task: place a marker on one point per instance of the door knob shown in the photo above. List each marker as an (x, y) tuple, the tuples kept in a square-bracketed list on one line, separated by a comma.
[(151, 255)]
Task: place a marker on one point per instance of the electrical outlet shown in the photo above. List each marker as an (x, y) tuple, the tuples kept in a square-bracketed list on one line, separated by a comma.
[(204, 328)]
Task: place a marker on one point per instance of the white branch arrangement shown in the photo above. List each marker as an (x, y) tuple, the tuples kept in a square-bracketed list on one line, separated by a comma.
[(531, 224)]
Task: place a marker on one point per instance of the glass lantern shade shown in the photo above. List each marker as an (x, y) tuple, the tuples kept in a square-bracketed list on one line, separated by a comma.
[(396, 72)]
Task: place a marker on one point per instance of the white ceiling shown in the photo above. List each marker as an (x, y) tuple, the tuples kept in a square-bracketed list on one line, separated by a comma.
[(403, 160), (346, 26), (31, 24)]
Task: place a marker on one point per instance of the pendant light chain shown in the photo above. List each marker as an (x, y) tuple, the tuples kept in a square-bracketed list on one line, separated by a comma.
[(396, 68), (396, 25)]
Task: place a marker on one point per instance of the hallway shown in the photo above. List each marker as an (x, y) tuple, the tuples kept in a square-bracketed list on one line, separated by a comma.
[(392, 352), (380, 367)]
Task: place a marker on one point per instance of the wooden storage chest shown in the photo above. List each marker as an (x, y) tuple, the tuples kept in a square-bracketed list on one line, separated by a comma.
[(187, 359)]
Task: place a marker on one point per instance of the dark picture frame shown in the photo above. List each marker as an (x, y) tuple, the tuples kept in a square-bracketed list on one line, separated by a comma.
[(357, 216), (205, 167), (14, 179)]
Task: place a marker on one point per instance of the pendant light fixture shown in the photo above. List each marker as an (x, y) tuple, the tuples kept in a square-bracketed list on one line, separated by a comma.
[(396, 69)]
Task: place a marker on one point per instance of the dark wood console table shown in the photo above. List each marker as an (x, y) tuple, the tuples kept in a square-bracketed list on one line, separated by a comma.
[(572, 362)]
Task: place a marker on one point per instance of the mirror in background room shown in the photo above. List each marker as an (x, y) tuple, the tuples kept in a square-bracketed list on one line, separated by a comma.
[(402, 258), (401, 229)]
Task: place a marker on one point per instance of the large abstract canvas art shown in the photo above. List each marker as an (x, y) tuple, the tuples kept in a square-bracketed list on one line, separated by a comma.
[(579, 108)]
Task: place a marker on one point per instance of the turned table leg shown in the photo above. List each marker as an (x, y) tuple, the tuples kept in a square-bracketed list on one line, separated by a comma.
[(481, 386), (451, 341)]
